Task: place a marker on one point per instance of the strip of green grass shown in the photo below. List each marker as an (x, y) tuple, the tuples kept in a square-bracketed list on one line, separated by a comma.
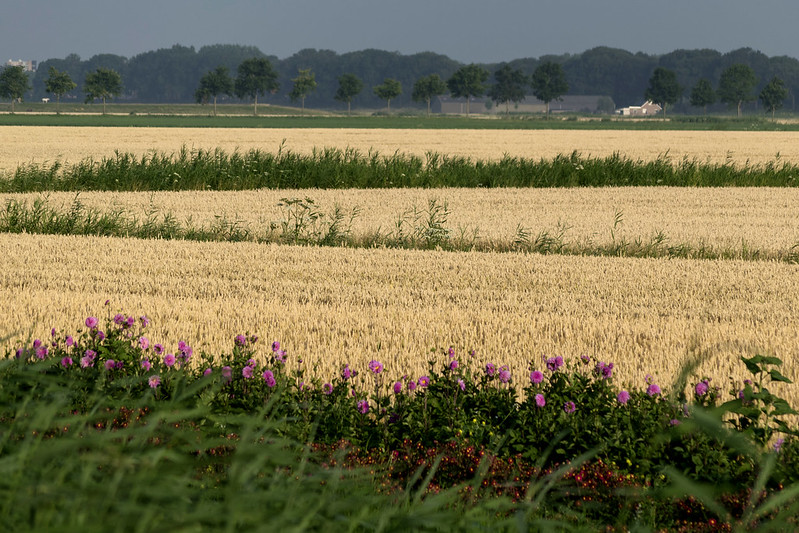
[(129, 115)]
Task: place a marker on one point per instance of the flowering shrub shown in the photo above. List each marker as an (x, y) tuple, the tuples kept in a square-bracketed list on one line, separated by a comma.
[(564, 409)]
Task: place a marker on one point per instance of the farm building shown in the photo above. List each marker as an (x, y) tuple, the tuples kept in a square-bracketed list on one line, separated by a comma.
[(647, 109)]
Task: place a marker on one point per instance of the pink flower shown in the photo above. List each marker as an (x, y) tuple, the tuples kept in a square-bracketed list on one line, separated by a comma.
[(41, 352), (504, 374), (144, 343), (461, 384), (158, 349), (397, 387), (412, 385), (539, 400), (66, 361), (701, 388), (363, 407), (623, 397), (145, 364), (536, 377), (346, 373), (207, 372), (100, 336), (37, 343), (653, 390), (169, 360), (119, 319), (227, 373), (246, 372), (453, 364), (86, 361), (275, 346), (424, 381), (554, 363), (778, 444), (154, 381), (490, 370), (269, 378), (569, 407), (451, 352), (70, 341), (327, 388), (375, 366), (91, 322), (129, 322), (144, 321), (240, 340), (674, 422), (110, 364)]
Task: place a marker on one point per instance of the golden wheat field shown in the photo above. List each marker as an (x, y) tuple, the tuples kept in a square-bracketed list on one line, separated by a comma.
[(330, 306), (722, 218), (24, 145)]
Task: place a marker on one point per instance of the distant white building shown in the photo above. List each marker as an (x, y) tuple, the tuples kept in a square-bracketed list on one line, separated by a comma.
[(648, 108), (28, 66)]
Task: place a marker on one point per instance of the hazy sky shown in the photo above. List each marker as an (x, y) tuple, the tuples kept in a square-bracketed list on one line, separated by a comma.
[(465, 30)]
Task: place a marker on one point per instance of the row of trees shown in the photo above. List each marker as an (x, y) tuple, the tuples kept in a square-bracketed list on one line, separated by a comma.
[(736, 86), (171, 74), (257, 76), (101, 84)]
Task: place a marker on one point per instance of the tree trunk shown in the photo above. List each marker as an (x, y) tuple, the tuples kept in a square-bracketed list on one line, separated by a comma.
[(214, 105), (428, 108), (349, 107), (547, 110), (12, 104), (255, 109), (388, 104), (103, 105), (303, 105), (58, 104), (740, 102), (468, 99)]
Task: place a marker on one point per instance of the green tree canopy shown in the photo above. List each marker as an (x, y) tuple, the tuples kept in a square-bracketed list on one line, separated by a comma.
[(427, 87), (509, 86), (703, 95), (58, 83), (468, 81), (349, 86), (773, 95), (663, 88), (549, 82), (14, 83), (390, 88), (736, 85), (304, 84), (255, 76), (103, 83), (214, 83)]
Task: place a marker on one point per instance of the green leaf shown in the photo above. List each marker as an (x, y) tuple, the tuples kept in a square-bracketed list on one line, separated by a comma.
[(752, 364), (776, 376), (782, 407)]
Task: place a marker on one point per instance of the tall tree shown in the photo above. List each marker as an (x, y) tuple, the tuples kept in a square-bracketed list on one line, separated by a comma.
[(427, 87), (549, 83), (103, 83), (349, 86), (509, 86), (663, 88), (255, 76), (773, 95), (390, 88), (59, 84), (736, 85), (304, 84), (468, 81), (14, 83), (703, 95), (214, 83)]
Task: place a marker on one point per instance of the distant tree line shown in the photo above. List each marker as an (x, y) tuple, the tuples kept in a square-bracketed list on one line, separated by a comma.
[(314, 77)]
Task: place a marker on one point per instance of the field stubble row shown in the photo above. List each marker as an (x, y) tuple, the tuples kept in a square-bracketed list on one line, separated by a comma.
[(761, 219), (22, 145), (332, 306)]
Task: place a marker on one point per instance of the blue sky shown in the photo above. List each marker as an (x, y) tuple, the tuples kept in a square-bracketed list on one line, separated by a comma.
[(465, 30)]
